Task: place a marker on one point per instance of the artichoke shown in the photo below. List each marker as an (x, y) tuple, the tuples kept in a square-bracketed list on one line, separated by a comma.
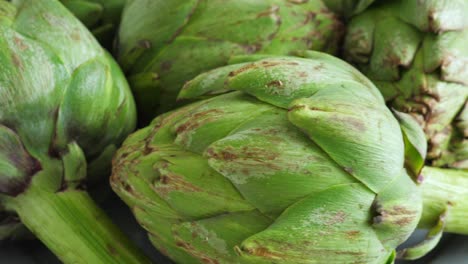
[(288, 160), (162, 44), (415, 52), (102, 17), (65, 107)]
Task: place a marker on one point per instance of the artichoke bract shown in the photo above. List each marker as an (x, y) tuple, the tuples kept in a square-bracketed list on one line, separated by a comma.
[(162, 44), (102, 17), (65, 107), (415, 52), (292, 160)]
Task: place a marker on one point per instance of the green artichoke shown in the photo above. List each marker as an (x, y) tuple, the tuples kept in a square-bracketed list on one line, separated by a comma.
[(162, 44), (102, 17), (290, 160), (65, 107), (416, 53)]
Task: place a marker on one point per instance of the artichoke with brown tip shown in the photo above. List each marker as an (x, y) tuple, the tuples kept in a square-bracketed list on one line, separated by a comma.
[(416, 53), (287, 160), (162, 44)]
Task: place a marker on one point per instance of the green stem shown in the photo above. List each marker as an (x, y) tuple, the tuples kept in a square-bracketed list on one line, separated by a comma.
[(74, 228), (445, 191)]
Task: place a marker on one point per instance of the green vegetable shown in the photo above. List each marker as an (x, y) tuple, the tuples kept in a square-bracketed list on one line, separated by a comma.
[(290, 160), (162, 44), (102, 17), (65, 107), (416, 53)]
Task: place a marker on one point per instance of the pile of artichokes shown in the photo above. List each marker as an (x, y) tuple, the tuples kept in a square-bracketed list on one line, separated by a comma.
[(255, 144)]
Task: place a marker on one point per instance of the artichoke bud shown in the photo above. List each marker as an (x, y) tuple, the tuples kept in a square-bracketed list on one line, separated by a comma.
[(276, 166), (65, 104), (416, 54), (180, 39)]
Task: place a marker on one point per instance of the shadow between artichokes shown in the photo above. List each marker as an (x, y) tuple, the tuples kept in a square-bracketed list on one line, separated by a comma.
[(289, 160), (65, 108), (348, 8), (102, 17)]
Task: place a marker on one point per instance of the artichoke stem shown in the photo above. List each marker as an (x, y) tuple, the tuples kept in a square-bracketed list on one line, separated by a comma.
[(74, 227), (445, 191)]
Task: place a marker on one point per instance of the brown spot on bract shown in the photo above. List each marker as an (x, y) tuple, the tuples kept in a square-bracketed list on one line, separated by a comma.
[(75, 35), (228, 156), (112, 250), (183, 245), (249, 49), (198, 119), (358, 125), (128, 188), (163, 179), (166, 65), (319, 67), (17, 61), (276, 83), (401, 210), (338, 217), (391, 59), (403, 221), (268, 64), (302, 74), (264, 252), (268, 12), (144, 43), (352, 253), (209, 260), (310, 16), (432, 22), (398, 215), (242, 69), (20, 44), (297, 108), (254, 152), (195, 253), (172, 182), (354, 234), (298, 1)]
